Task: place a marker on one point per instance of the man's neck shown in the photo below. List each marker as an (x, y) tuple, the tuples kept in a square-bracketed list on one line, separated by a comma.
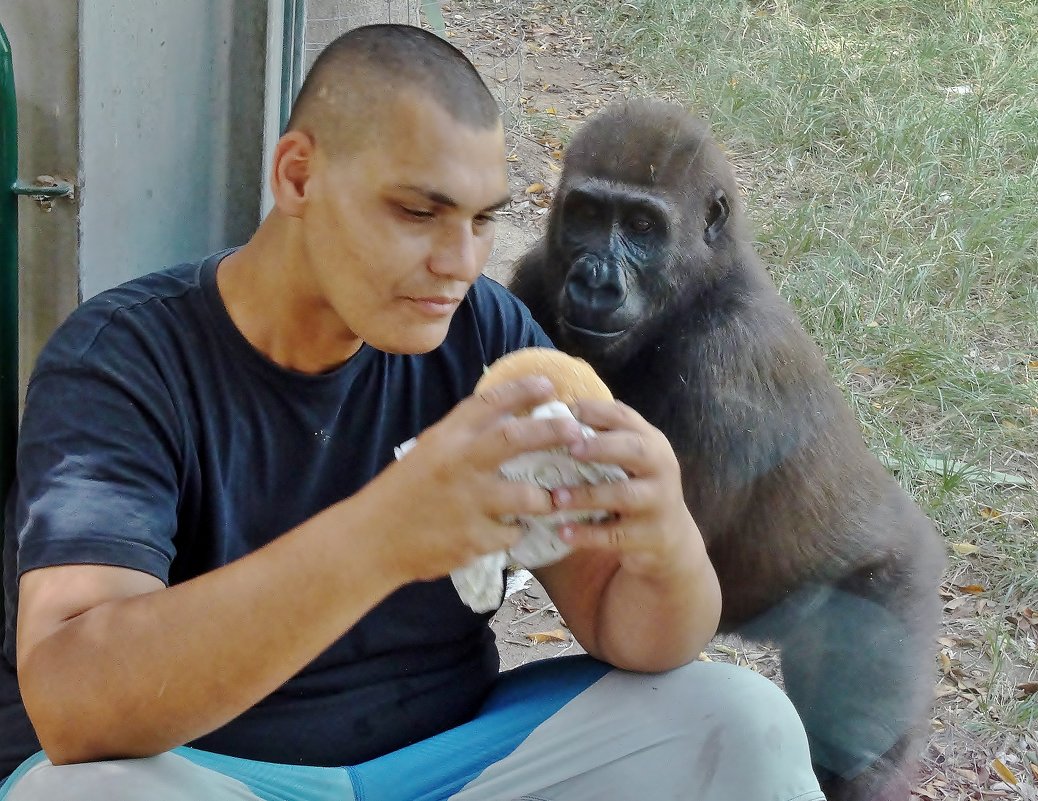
[(267, 289)]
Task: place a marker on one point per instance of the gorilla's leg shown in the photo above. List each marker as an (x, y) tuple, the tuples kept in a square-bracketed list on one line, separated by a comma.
[(857, 662)]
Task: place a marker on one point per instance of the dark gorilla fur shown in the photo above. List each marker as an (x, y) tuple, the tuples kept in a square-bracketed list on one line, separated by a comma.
[(648, 272)]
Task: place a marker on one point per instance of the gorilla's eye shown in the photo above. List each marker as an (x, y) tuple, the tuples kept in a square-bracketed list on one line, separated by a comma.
[(584, 212), (640, 224)]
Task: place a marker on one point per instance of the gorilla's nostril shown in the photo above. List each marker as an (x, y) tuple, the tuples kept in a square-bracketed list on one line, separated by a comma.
[(595, 286), (597, 276), (588, 302)]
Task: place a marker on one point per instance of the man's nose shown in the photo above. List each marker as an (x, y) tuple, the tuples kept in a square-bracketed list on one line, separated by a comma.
[(458, 254)]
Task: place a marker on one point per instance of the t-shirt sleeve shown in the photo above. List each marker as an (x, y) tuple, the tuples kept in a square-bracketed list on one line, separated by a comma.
[(96, 477)]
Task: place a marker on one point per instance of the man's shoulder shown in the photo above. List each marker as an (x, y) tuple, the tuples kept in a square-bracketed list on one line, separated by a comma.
[(495, 319), (489, 290), (128, 313), (492, 301)]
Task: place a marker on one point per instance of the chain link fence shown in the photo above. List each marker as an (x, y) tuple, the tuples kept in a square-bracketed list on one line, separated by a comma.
[(489, 32)]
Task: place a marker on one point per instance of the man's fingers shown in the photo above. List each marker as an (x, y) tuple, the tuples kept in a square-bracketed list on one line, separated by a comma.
[(615, 535), (609, 415), (513, 398), (631, 497), (512, 436), (513, 498), (640, 453)]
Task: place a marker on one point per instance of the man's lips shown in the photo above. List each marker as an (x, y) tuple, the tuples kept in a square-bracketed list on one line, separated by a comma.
[(435, 305)]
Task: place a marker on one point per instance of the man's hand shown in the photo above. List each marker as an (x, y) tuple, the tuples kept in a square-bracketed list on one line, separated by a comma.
[(442, 504), (639, 591), (651, 530)]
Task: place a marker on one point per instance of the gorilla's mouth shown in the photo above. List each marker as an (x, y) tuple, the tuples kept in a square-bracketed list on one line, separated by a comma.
[(592, 332)]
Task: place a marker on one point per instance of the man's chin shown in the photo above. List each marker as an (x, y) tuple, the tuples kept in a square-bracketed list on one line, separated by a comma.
[(411, 340)]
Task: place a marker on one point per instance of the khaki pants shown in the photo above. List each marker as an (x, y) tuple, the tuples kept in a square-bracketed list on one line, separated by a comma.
[(704, 732)]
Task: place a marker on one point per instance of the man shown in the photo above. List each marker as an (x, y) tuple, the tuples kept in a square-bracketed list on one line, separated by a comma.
[(228, 589)]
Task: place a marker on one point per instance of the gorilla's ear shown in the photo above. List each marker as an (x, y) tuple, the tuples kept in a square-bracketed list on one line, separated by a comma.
[(716, 216)]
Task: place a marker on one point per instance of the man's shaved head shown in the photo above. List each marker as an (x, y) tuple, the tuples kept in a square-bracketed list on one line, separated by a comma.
[(344, 97)]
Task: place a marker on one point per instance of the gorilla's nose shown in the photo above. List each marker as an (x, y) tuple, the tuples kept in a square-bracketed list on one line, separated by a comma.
[(594, 287)]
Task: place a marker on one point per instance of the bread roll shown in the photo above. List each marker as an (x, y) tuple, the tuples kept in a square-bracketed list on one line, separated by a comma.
[(574, 379)]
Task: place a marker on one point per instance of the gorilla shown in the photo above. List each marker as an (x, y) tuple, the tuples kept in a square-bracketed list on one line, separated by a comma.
[(648, 272)]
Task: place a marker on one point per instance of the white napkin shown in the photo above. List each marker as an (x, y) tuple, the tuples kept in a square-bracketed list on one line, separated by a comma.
[(481, 582)]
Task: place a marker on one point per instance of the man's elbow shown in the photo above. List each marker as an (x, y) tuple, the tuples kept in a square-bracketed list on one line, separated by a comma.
[(70, 733)]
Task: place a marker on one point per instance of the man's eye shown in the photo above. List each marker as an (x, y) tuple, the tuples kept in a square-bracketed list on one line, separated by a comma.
[(420, 214), (484, 219)]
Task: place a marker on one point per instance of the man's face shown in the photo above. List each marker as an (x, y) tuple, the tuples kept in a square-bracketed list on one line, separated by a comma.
[(396, 234)]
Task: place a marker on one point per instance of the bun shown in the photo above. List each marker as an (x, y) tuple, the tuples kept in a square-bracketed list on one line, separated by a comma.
[(574, 379)]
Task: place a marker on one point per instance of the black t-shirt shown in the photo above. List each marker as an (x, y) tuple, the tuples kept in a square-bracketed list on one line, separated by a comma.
[(155, 437)]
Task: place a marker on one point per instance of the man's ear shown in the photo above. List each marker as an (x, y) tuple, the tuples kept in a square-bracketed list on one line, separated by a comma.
[(290, 172)]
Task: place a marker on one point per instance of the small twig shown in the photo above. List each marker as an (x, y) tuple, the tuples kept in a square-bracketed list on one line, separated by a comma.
[(534, 613)]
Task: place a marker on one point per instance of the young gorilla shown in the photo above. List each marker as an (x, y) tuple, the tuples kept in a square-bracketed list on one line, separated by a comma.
[(647, 271), (218, 549)]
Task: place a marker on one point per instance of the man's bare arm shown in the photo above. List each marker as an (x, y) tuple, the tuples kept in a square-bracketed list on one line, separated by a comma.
[(113, 664)]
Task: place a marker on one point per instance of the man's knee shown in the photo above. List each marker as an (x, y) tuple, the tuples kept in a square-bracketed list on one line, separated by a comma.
[(166, 777), (735, 702)]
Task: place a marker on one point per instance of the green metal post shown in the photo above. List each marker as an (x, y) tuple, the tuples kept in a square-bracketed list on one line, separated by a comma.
[(8, 269), (8, 277)]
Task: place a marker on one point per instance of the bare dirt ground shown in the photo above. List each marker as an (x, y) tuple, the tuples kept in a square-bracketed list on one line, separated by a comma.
[(550, 78)]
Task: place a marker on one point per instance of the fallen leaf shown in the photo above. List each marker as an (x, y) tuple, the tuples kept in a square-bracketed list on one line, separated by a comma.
[(973, 589), (533, 189), (989, 514), (964, 548), (551, 110), (946, 663), (1027, 689), (1005, 773), (555, 635), (1034, 769)]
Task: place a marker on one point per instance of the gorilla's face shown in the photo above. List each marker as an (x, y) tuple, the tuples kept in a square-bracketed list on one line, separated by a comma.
[(612, 242), (625, 254)]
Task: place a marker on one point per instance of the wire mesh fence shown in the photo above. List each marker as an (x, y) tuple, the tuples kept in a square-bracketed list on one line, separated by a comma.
[(489, 32)]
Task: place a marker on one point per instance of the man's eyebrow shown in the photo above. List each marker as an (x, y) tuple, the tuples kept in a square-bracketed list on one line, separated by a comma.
[(441, 199)]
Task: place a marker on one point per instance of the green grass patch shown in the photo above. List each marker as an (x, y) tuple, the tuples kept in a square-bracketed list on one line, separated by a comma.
[(892, 157), (888, 152)]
